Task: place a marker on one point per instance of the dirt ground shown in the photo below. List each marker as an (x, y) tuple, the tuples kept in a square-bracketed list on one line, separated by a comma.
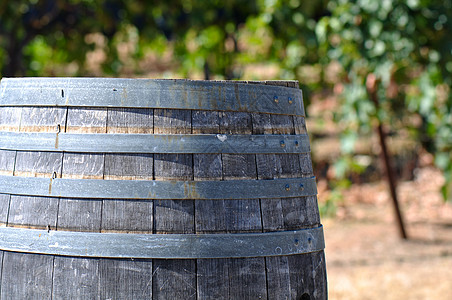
[(366, 259)]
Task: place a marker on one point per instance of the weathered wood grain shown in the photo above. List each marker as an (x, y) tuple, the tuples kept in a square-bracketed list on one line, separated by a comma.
[(7, 159), (2, 253), (291, 276), (81, 165), (34, 212), (232, 278), (38, 164), (4, 207), (130, 120), (300, 125), (129, 166), (320, 288), (269, 167), (242, 215), (125, 278), (79, 215), (78, 277), (214, 279), (42, 119), (6, 168), (10, 118), (173, 279), (128, 216), (75, 278), (38, 212), (86, 120), (210, 215), (26, 276), (208, 167)]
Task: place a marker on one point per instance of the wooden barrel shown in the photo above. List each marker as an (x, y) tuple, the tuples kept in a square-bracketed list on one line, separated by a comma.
[(157, 189)]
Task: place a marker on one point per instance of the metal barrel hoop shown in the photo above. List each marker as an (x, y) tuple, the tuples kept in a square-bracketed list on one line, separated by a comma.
[(166, 246), (150, 93)]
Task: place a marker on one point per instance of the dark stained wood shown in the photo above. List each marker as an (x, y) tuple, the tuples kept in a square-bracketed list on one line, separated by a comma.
[(320, 288), (127, 216), (173, 279), (214, 279)]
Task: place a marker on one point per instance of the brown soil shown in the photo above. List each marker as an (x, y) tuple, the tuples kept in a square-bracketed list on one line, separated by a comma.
[(366, 259)]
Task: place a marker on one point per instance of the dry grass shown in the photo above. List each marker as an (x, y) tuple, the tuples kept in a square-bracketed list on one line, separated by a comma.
[(367, 260)]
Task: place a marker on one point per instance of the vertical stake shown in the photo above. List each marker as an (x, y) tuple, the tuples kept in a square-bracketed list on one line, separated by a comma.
[(371, 85)]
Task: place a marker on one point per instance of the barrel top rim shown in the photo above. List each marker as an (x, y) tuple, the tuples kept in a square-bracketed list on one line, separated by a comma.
[(151, 79), (238, 96)]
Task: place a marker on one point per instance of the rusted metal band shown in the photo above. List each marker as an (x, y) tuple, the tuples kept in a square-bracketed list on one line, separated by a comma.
[(153, 189), (154, 143), (162, 246), (151, 93)]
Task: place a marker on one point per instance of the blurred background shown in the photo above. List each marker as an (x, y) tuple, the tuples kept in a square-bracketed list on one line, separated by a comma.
[(373, 74)]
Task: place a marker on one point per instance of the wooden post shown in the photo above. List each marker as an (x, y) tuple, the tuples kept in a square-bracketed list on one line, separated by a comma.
[(371, 85)]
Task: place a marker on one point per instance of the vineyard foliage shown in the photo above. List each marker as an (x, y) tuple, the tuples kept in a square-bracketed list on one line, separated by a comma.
[(405, 45)]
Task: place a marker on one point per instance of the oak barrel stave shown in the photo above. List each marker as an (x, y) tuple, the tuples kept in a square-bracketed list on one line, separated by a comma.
[(280, 277)]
